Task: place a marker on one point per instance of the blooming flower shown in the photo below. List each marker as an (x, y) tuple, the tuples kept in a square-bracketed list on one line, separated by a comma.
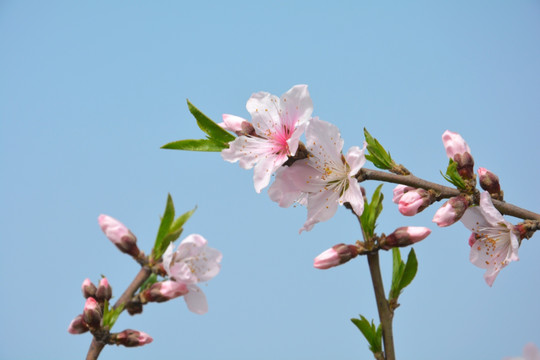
[(496, 243), (323, 180), (278, 124), (530, 352), (193, 262)]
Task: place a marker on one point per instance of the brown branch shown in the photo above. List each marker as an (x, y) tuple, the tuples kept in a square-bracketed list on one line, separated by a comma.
[(443, 191), (96, 346), (385, 314)]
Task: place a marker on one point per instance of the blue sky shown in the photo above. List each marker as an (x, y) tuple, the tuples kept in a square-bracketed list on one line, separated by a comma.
[(89, 92)]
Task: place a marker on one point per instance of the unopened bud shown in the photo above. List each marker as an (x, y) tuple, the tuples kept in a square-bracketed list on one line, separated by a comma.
[(132, 338), (92, 313), (104, 291), (473, 238), (405, 236), (164, 291), (414, 201), (490, 182), (465, 165), (119, 234), (399, 191), (451, 211), (336, 255), (88, 289), (78, 326), (454, 144), (134, 308), (247, 129)]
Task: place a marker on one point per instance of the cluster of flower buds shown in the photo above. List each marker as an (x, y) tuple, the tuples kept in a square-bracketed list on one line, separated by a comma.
[(411, 201), (119, 234), (336, 255), (404, 236)]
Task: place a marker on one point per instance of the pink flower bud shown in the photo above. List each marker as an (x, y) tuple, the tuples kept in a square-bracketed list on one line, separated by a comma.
[(104, 291), (237, 125), (451, 211), (92, 313), (472, 239), (399, 191), (165, 290), (454, 144), (465, 165), (336, 255), (132, 338), (88, 289), (405, 236), (77, 326), (414, 201), (490, 183), (119, 234)]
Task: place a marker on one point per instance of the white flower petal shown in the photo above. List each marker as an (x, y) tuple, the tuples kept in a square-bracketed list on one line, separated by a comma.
[(196, 300)]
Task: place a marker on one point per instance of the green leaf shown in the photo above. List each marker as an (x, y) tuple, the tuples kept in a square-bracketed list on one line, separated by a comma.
[(371, 212), (166, 222), (110, 315), (214, 131), (377, 153), (178, 223), (372, 334), (397, 273), (452, 175), (196, 145), (410, 270)]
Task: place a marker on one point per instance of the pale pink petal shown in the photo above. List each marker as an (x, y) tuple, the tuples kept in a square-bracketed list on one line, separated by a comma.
[(492, 215), (265, 168), (297, 106), (356, 159), (232, 122), (474, 219), (324, 141), (265, 112), (321, 207), (295, 138), (167, 258), (291, 182), (491, 255), (531, 352), (353, 195), (246, 150), (196, 300), (454, 144)]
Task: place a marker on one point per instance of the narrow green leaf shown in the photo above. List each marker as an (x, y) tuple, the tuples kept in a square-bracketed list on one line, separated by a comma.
[(371, 212), (452, 175), (169, 238), (409, 272), (365, 327), (196, 145), (209, 127), (377, 153), (178, 223), (166, 222), (115, 313), (378, 339), (397, 273)]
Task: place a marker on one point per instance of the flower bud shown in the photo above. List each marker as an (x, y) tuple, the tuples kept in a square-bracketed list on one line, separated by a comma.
[(77, 326), (134, 308), (405, 236), (104, 291), (465, 165), (336, 255), (451, 211), (132, 338), (399, 191), (490, 183), (88, 289), (119, 234), (472, 239), (414, 201), (454, 144), (237, 125), (165, 291), (92, 313)]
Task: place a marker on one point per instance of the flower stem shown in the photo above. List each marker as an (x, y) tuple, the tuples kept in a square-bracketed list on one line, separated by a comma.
[(96, 346), (385, 314)]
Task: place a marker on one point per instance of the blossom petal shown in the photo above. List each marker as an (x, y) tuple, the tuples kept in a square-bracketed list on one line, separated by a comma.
[(492, 255), (246, 150), (232, 122), (265, 168), (295, 138), (167, 258), (356, 159), (492, 215), (292, 181), (265, 110), (297, 105), (321, 207), (454, 144), (196, 300), (353, 195), (324, 142)]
